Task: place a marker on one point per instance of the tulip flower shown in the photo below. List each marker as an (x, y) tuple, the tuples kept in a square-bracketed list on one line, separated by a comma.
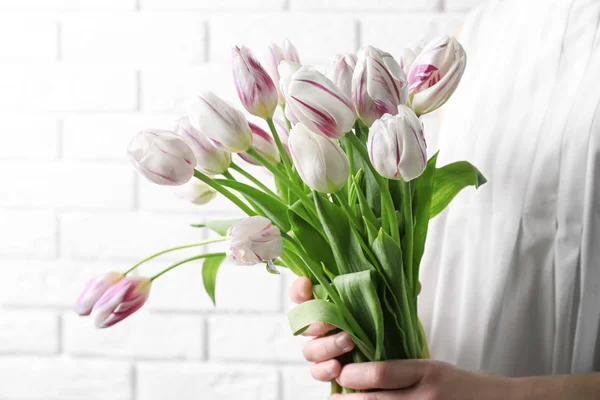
[(254, 86), (320, 161), (341, 71), (435, 74), (196, 192), (275, 55), (264, 144), (93, 290), (162, 157), (378, 85), (254, 240), (121, 300), (397, 147), (210, 160), (314, 100), (410, 55), (225, 126)]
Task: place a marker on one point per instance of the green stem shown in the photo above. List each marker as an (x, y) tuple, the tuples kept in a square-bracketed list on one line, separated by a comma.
[(282, 153), (284, 179), (336, 388), (251, 178), (287, 121), (230, 177), (386, 197), (408, 235), (219, 188), (187, 260), (185, 246)]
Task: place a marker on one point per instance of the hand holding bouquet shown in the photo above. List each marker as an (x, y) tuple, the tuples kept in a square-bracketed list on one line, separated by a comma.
[(355, 190)]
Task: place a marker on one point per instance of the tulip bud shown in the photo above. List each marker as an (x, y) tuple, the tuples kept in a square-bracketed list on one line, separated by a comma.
[(225, 126), (162, 157), (196, 192), (254, 86), (210, 160), (275, 55), (311, 98), (254, 240), (397, 147), (264, 144), (410, 55), (435, 74), (121, 300), (341, 71), (378, 85), (320, 161), (93, 290)]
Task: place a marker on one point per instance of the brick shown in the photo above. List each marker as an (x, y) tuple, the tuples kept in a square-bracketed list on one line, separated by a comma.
[(67, 5), (166, 380), (236, 5), (37, 38), (26, 378), (253, 338), (461, 5), (394, 32), (360, 5), (125, 236), (67, 87), (298, 384), (333, 34), (107, 136), (31, 137), (68, 185), (27, 233), (170, 88), (134, 38), (28, 331), (48, 283), (143, 335)]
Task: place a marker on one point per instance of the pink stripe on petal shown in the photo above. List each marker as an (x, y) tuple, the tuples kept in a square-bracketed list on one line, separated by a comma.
[(327, 124), (324, 88)]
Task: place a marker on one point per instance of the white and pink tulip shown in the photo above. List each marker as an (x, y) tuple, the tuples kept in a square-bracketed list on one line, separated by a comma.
[(162, 157), (94, 289), (254, 240), (341, 70), (274, 56), (435, 74), (210, 160), (121, 300), (314, 100), (397, 146), (379, 85)]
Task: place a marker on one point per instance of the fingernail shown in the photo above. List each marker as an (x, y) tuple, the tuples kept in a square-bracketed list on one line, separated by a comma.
[(344, 342)]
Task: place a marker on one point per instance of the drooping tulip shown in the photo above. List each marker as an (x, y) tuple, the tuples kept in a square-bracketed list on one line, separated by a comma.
[(274, 56), (397, 147), (435, 74), (162, 157), (94, 289), (121, 300), (314, 100), (264, 144), (254, 86), (341, 70), (210, 160), (410, 55), (320, 161), (378, 85), (254, 240), (196, 192), (225, 126)]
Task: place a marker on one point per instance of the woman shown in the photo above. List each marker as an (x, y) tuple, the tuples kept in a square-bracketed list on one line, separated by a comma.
[(511, 277)]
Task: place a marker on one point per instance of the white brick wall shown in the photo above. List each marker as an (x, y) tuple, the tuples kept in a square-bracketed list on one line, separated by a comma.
[(77, 79)]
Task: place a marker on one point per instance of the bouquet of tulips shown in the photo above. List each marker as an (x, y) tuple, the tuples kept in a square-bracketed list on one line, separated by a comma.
[(353, 194)]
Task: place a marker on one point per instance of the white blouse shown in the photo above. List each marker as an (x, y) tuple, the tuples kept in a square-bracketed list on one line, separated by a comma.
[(511, 273)]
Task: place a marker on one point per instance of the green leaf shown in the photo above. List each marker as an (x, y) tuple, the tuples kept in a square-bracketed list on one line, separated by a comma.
[(271, 206), (210, 267), (422, 206), (358, 292), (312, 241), (313, 311), (372, 230), (365, 209), (343, 240), (450, 180), (220, 226)]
